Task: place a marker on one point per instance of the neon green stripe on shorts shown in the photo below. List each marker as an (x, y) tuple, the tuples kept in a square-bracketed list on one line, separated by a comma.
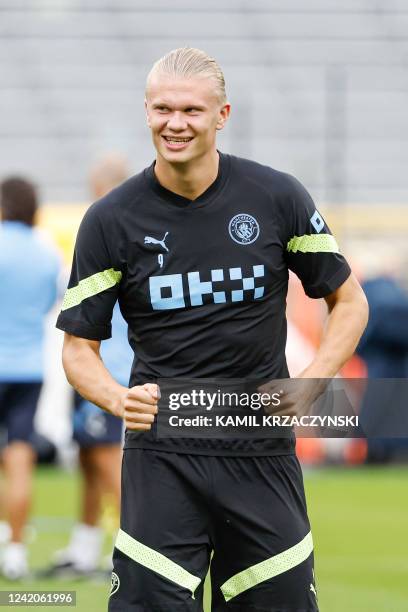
[(155, 561), (278, 564)]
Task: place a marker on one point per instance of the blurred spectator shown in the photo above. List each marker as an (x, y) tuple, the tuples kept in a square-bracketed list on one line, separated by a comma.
[(29, 268), (384, 344), (98, 433), (384, 347)]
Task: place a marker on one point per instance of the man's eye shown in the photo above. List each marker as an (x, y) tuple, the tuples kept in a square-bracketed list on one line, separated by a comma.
[(162, 109), (192, 110)]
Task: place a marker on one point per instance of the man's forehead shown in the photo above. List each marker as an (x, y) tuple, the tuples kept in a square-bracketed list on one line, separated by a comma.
[(165, 88)]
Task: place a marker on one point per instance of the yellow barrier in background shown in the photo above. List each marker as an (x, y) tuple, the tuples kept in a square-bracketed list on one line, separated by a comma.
[(61, 221), (349, 223)]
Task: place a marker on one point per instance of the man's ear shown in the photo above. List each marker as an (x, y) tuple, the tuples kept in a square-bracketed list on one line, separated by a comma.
[(147, 114), (223, 116)]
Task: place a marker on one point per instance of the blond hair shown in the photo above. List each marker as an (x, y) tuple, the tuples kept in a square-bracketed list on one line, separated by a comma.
[(187, 62)]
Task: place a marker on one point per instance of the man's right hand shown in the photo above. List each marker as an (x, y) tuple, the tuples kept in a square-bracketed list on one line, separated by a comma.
[(140, 406)]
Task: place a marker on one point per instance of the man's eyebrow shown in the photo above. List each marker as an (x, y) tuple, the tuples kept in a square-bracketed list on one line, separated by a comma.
[(196, 106), (185, 107)]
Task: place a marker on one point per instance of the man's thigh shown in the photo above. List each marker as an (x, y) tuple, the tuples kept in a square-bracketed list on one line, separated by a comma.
[(162, 551), (263, 559)]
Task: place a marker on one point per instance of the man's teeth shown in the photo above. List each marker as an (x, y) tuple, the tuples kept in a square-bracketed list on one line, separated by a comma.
[(177, 139)]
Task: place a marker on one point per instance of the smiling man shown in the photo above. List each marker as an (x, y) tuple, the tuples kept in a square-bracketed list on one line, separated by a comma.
[(197, 249), (184, 115)]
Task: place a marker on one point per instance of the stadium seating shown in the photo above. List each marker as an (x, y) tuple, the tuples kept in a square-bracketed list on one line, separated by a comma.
[(319, 88)]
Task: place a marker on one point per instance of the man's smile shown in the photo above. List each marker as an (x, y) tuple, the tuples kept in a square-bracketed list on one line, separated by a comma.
[(177, 142)]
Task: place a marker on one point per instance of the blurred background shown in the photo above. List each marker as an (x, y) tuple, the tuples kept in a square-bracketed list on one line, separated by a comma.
[(318, 89)]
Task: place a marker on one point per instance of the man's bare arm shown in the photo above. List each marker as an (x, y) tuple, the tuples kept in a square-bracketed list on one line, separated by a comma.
[(348, 316), (87, 373)]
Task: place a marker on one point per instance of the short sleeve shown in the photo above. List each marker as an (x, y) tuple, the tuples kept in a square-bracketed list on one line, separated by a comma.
[(93, 285), (311, 250)]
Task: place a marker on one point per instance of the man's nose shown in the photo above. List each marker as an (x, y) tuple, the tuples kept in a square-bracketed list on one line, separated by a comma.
[(177, 122)]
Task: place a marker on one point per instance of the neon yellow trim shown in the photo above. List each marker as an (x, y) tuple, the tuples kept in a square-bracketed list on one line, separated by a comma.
[(313, 243), (265, 570), (156, 562), (90, 286)]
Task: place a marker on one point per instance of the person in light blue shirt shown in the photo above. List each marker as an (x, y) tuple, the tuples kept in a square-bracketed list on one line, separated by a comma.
[(97, 432), (29, 269)]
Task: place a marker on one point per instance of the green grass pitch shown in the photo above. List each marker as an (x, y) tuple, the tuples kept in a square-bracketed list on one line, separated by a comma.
[(360, 525)]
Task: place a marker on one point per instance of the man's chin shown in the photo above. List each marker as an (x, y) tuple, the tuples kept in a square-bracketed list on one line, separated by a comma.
[(177, 157)]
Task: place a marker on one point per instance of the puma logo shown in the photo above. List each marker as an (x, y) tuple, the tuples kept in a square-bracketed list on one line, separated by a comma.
[(150, 240)]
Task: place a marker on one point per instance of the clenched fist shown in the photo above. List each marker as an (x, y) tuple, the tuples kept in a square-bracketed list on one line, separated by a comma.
[(140, 406)]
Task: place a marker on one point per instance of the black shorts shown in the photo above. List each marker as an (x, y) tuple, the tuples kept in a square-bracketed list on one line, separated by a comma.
[(177, 510), (18, 404), (92, 426)]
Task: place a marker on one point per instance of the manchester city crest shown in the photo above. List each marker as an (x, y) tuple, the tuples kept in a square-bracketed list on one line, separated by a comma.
[(115, 584), (244, 229)]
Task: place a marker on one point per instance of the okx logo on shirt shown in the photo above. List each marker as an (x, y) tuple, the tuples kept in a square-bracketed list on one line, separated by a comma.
[(167, 291)]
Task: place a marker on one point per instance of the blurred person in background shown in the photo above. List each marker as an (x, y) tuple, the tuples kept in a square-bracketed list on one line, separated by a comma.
[(384, 348), (29, 269), (384, 345), (98, 433)]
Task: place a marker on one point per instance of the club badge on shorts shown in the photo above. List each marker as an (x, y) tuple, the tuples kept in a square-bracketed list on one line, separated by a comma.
[(115, 584), (243, 228)]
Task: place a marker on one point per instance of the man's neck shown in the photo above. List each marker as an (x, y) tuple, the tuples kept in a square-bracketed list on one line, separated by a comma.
[(188, 180)]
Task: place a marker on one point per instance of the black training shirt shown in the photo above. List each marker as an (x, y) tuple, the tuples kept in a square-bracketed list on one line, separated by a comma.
[(202, 284)]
